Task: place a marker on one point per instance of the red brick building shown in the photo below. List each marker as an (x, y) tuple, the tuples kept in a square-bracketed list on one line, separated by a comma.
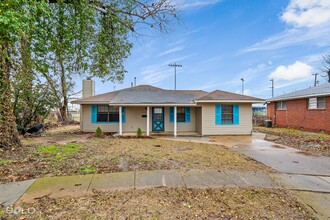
[(307, 109)]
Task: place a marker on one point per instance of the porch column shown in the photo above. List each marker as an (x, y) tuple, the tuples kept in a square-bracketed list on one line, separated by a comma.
[(120, 121), (175, 124), (148, 121)]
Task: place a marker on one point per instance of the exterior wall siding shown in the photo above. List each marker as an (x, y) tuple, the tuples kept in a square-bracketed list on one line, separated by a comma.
[(181, 126), (209, 126), (298, 116), (88, 126)]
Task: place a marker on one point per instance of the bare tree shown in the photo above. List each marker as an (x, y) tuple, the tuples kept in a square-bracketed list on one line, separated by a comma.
[(326, 67)]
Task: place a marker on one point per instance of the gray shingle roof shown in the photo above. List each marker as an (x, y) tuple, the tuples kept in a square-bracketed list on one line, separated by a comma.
[(145, 94), (223, 95), (322, 90)]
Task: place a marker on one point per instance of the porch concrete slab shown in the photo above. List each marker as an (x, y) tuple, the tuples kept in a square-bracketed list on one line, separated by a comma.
[(11, 192), (303, 182), (158, 178), (56, 187), (253, 179), (206, 178), (318, 202), (112, 181)]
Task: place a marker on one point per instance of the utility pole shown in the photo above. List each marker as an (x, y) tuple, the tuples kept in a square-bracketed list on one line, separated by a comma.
[(272, 80), (134, 81), (315, 80), (175, 66), (242, 86)]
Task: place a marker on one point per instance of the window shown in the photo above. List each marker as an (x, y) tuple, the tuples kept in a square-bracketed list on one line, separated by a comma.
[(181, 114), (227, 115), (107, 113), (281, 105), (317, 103), (158, 114)]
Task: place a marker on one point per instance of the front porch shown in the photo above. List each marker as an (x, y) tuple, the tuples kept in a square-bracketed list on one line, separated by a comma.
[(160, 120), (152, 120)]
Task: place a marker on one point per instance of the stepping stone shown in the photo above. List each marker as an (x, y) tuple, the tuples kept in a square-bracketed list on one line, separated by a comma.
[(11, 192), (303, 182), (112, 181), (158, 178), (56, 187), (206, 178), (252, 179)]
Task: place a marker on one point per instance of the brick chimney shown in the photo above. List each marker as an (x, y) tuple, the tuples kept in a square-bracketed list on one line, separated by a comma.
[(88, 88)]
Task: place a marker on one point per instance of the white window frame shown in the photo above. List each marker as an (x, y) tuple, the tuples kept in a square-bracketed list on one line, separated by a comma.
[(314, 102), (282, 105)]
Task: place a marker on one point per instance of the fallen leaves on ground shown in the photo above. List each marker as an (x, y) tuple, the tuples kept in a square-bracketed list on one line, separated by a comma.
[(173, 203), (60, 153)]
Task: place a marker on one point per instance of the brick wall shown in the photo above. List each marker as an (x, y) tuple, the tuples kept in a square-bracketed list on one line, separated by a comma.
[(299, 116)]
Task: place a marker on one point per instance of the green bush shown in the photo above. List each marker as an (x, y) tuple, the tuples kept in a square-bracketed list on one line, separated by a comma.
[(139, 132), (98, 132)]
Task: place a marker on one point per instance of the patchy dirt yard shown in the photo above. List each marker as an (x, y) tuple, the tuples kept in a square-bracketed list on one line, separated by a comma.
[(170, 203), (66, 151), (316, 143)]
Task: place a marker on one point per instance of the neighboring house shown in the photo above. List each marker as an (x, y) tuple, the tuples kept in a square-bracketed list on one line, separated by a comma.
[(172, 111), (307, 109)]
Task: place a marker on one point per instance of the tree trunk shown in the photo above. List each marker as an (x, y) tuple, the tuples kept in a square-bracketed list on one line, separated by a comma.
[(8, 131), (64, 107)]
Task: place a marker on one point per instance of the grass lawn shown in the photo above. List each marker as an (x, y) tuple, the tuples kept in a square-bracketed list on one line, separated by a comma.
[(316, 143), (67, 152), (171, 203)]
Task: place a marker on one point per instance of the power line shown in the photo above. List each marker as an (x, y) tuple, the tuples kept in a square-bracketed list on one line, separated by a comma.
[(175, 66)]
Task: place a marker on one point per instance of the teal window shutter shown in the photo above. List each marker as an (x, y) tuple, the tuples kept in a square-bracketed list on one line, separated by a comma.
[(171, 114), (188, 114), (94, 114), (218, 112), (236, 114), (123, 114)]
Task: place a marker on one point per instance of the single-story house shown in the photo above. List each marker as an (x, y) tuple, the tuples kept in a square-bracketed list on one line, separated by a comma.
[(171, 111), (307, 109)]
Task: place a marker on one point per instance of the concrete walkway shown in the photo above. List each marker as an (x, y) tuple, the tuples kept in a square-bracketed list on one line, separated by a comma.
[(56, 187)]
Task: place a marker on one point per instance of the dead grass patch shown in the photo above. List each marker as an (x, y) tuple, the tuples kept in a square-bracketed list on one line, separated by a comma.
[(61, 153), (174, 203), (316, 143)]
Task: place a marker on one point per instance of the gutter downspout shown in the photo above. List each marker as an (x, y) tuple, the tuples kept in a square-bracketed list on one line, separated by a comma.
[(274, 114)]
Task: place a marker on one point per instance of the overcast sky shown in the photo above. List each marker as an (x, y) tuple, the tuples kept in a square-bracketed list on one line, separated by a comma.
[(222, 41)]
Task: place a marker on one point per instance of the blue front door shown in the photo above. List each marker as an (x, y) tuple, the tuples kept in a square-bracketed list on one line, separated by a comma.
[(157, 119)]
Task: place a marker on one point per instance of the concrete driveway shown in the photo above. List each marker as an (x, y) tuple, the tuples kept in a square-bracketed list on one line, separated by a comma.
[(307, 174), (282, 158)]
